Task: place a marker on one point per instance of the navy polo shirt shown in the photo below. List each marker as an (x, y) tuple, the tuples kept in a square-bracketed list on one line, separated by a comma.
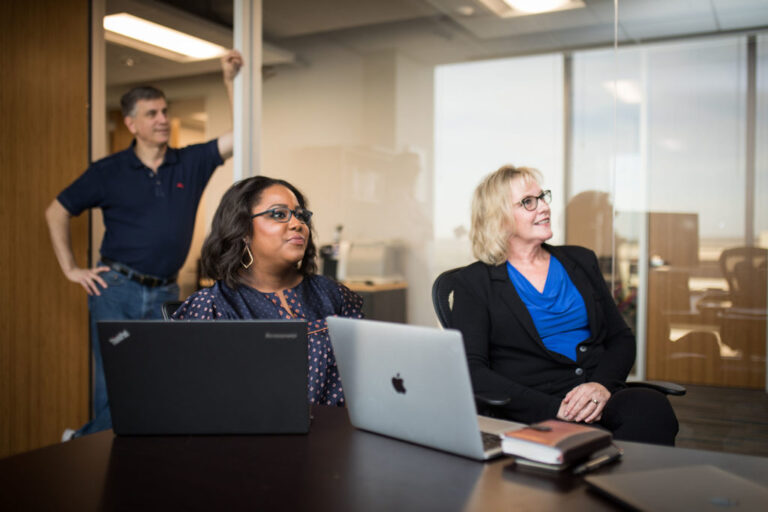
[(149, 218)]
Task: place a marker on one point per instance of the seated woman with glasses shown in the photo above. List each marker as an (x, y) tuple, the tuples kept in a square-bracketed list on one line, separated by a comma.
[(261, 253), (539, 323)]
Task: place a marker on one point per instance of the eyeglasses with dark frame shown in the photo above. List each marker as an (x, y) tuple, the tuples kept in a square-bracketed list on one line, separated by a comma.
[(283, 214), (530, 203)]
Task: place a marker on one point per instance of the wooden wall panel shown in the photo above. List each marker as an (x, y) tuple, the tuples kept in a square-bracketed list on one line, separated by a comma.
[(674, 237), (715, 345), (120, 137), (44, 126)]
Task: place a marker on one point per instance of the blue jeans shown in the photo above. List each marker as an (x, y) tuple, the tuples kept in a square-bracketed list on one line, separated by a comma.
[(123, 299)]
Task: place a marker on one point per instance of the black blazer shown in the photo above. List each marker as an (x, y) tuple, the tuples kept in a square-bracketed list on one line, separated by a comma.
[(505, 352)]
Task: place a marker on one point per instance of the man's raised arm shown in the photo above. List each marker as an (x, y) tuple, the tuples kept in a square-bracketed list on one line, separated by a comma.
[(231, 63)]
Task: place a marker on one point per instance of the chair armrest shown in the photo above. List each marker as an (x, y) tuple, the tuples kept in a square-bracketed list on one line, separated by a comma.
[(668, 388), (491, 401)]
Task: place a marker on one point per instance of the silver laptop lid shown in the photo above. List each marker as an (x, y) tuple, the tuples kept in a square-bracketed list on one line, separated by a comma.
[(408, 382)]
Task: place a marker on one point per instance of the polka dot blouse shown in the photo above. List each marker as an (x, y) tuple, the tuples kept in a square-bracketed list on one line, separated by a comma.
[(315, 298)]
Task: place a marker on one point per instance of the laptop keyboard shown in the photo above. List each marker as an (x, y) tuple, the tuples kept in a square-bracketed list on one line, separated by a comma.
[(490, 441)]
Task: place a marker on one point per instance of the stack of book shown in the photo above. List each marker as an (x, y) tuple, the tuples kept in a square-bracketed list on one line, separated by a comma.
[(554, 444)]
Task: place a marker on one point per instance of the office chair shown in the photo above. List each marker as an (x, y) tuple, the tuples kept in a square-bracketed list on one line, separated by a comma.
[(743, 323), (442, 301), (170, 307), (745, 270)]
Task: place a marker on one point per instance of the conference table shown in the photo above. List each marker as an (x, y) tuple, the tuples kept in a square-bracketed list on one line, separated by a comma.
[(334, 467)]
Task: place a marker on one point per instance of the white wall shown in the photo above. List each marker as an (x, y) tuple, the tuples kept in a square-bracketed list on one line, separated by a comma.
[(354, 133)]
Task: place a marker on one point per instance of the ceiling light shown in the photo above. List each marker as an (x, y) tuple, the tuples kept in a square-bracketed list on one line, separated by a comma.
[(135, 32), (514, 8), (535, 6)]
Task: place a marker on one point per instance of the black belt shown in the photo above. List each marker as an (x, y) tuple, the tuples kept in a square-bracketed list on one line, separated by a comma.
[(142, 279)]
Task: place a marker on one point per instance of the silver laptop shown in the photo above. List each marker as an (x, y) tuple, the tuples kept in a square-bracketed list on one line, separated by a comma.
[(206, 377), (412, 383)]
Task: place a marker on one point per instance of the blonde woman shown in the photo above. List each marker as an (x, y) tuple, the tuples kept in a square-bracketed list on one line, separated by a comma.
[(539, 323)]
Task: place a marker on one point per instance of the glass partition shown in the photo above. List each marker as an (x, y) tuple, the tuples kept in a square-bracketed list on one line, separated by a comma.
[(487, 116), (675, 173), (654, 153), (646, 148)]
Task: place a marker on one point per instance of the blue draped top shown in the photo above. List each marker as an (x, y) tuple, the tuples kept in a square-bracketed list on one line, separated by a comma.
[(558, 312)]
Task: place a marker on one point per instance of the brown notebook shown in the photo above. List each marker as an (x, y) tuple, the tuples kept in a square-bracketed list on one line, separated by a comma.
[(555, 442)]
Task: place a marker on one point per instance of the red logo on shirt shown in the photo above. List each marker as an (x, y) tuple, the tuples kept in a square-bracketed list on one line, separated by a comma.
[(179, 185)]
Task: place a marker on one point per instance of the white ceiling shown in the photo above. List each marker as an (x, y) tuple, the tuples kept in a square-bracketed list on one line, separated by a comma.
[(430, 30), (304, 17)]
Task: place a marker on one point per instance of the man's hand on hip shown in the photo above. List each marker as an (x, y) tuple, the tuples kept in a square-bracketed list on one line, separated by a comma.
[(88, 278)]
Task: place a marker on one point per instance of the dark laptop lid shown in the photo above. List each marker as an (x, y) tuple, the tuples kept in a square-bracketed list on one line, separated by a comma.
[(206, 377), (696, 488)]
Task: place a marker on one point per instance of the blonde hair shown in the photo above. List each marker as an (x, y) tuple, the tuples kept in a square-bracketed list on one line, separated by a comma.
[(492, 221)]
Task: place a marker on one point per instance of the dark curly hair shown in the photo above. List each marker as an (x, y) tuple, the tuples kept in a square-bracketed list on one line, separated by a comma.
[(223, 248)]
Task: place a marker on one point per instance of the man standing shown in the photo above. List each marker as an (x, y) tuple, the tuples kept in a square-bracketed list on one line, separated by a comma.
[(149, 195)]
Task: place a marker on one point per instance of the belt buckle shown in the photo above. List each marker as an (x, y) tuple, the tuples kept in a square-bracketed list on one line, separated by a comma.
[(146, 280)]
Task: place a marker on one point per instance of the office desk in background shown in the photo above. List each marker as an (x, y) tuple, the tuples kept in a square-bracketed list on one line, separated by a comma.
[(382, 301), (335, 467)]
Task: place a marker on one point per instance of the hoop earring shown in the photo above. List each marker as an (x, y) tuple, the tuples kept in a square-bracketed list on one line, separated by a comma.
[(250, 257)]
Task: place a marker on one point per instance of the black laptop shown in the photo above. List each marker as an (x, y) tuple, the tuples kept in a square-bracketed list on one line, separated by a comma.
[(206, 377), (696, 488)]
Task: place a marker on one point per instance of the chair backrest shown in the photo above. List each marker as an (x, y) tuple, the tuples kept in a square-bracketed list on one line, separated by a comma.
[(170, 307), (442, 300), (745, 270), (442, 296)]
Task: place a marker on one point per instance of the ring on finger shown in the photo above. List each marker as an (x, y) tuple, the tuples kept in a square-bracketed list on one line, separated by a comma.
[(595, 401)]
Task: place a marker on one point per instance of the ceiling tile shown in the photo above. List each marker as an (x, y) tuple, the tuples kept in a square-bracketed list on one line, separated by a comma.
[(741, 14)]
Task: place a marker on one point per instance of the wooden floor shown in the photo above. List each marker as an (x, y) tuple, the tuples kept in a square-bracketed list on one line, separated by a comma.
[(723, 419)]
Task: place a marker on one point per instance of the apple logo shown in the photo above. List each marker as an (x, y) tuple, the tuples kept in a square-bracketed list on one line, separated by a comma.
[(397, 383)]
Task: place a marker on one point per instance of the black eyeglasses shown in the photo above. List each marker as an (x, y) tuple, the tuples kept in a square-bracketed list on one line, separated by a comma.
[(283, 214), (530, 203)]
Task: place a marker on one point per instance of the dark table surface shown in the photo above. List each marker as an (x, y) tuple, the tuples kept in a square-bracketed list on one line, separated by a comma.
[(335, 467)]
